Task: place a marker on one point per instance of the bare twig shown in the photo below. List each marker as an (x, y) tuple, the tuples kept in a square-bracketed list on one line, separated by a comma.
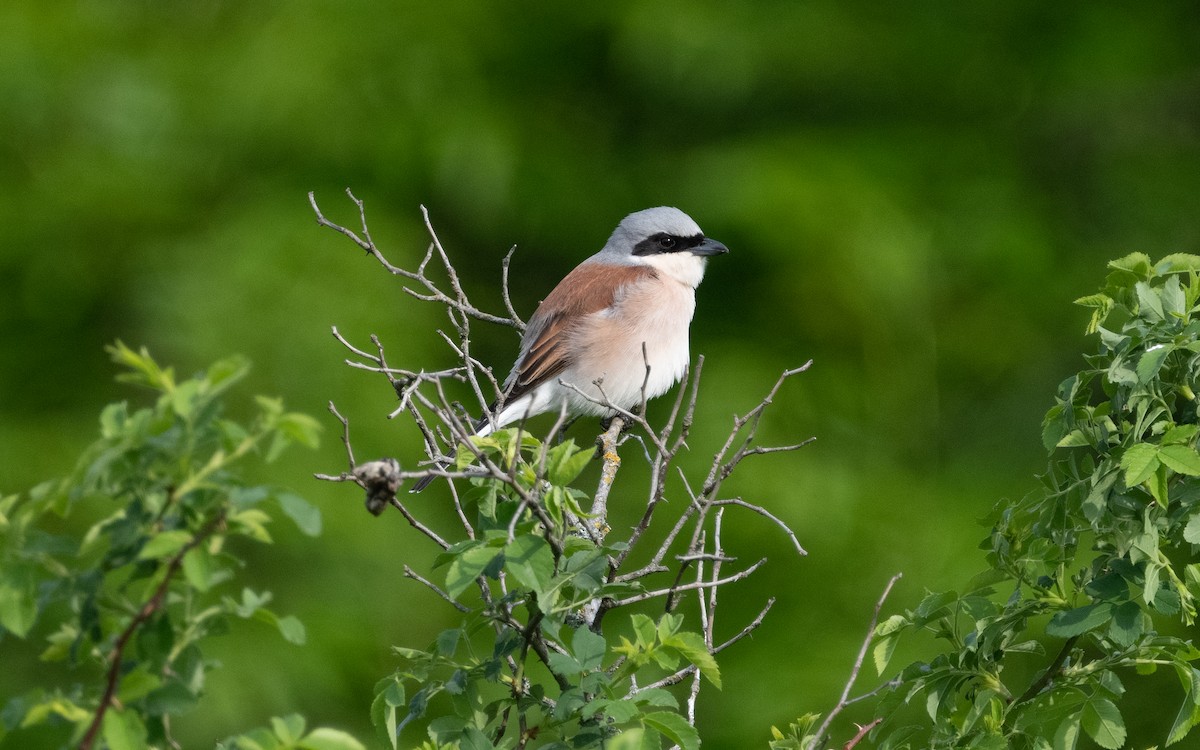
[(818, 739), (410, 573), (863, 731), (688, 586), (766, 513)]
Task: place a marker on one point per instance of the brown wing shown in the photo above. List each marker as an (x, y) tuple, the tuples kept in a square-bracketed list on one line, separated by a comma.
[(545, 353)]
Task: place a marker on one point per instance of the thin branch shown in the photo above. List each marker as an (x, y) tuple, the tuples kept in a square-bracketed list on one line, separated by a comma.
[(819, 738), (767, 514), (152, 605), (688, 586), (1044, 679), (410, 573), (677, 677), (863, 731)]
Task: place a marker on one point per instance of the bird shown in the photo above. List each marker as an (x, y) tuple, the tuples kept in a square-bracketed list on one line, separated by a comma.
[(627, 307)]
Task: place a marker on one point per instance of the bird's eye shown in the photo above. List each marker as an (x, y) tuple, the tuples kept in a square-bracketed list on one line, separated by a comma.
[(666, 243)]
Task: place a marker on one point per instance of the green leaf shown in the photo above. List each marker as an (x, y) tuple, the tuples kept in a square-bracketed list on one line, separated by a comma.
[(635, 739), (306, 516), (1173, 300), (1103, 723), (198, 568), (1136, 264), (1066, 737), (324, 738), (289, 728), (692, 647), (1181, 433), (1158, 486), (252, 522), (1178, 263), (645, 629), (291, 629), (588, 648), (300, 428), (1181, 459), (18, 605), (1126, 626), (674, 727), (1191, 532), (565, 462), (1150, 362), (882, 653), (123, 730), (172, 698), (1139, 462), (1188, 715), (468, 566), (164, 544), (529, 559), (447, 641), (1078, 621), (1150, 302)]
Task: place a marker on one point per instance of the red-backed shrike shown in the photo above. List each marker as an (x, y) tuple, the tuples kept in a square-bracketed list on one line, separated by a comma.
[(638, 291)]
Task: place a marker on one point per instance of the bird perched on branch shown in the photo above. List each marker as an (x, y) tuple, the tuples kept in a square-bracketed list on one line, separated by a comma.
[(636, 295)]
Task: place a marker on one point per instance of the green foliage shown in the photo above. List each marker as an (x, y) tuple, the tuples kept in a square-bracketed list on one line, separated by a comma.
[(123, 564), (288, 734), (523, 669), (1103, 559)]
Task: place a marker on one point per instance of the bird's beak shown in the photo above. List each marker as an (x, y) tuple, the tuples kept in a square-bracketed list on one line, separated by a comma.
[(709, 247)]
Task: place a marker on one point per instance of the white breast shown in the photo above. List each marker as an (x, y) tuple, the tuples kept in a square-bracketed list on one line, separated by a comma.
[(656, 313)]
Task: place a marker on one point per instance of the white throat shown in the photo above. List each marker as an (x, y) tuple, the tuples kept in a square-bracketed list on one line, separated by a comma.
[(683, 267)]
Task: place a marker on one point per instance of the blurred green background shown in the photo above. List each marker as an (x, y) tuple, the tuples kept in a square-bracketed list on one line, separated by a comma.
[(913, 194)]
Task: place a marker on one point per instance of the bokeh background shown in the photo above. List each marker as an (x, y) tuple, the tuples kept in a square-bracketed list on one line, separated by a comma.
[(913, 195)]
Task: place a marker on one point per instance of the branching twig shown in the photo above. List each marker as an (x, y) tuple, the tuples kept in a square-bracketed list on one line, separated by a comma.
[(818, 740), (692, 544), (152, 605)]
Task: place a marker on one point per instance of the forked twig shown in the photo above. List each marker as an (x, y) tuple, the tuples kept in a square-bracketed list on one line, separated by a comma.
[(818, 739)]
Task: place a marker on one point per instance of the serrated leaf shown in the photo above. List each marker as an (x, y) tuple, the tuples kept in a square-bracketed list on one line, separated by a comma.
[(1103, 723), (1151, 362), (645, 629), (565, 462), (1187, 717), (882, 653), (447, 642), (674, 727), (468, 566), (1191, 532), (1181, 459), (1066, 737), (1149, 301), (1078, 621), (692, 647), (1126, 626), (530, 560), (1139, 462), (588, 648)]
